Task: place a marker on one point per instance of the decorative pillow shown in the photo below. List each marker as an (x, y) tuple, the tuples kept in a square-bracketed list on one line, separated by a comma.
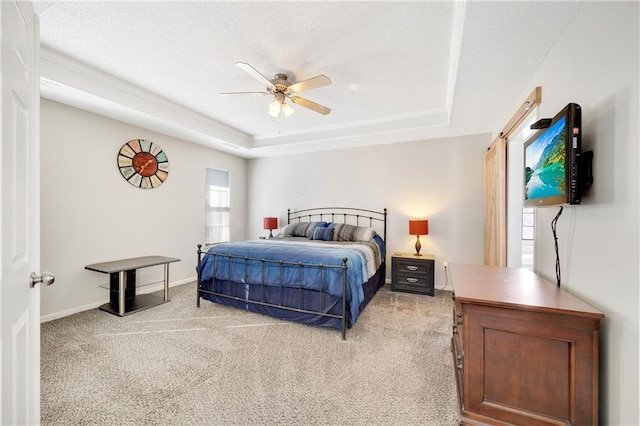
[(344, 232), (378, 240), (322, 233), (301, 229)]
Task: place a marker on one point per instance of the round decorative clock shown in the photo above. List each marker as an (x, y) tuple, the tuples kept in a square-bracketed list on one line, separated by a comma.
[(143, 163)]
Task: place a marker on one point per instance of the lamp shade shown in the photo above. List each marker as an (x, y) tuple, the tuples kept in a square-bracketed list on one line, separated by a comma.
[(270, 223), (418, 227)]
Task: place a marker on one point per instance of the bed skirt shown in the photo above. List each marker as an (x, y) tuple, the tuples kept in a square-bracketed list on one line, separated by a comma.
[(303, 305)]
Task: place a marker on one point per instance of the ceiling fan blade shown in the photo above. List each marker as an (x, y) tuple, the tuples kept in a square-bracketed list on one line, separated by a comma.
[(311, 83), (255, 74), (311, 105), (242, 93)]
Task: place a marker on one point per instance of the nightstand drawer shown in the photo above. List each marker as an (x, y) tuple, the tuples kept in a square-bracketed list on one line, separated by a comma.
[(414, 268), (411, 279)]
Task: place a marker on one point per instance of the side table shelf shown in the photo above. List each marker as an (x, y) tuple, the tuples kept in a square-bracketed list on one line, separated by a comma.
[(122, 283)]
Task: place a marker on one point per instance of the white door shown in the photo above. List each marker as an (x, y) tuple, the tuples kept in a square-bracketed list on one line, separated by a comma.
[(19, 215)]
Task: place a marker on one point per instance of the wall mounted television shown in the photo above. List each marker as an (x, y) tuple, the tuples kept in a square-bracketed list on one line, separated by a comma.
[(556, 172)]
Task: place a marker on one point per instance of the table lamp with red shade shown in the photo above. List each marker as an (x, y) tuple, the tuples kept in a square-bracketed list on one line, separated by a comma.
[(418, 227), (270, 223)]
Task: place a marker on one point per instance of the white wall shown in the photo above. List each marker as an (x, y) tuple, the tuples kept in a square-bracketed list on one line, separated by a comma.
[(595, 64), (440, 180), (90, 214)]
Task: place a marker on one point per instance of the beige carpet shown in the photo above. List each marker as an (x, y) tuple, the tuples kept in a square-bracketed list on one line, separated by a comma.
[(176, 364)]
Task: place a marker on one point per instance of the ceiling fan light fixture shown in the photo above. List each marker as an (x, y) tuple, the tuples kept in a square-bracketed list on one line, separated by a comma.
[(287, 110), (274, 108), (279, 106), (281, 88)]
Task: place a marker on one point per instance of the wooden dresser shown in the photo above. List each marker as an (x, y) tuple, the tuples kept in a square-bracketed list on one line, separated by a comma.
[(525, 351)]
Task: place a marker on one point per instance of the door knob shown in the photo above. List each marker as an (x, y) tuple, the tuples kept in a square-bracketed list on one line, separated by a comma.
[(47, 278)]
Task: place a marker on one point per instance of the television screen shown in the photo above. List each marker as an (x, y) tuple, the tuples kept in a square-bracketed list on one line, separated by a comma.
[(545, 161), (550, 161)]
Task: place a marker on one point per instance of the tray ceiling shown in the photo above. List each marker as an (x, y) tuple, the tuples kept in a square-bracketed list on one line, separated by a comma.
[(400, 71)]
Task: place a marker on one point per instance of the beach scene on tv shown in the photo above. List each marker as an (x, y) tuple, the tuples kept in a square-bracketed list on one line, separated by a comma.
[(545, 163)]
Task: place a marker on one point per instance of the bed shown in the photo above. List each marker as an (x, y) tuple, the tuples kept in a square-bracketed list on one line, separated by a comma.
[(322, 268)]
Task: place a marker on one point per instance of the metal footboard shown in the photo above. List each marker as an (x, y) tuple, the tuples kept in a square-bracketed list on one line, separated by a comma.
[(280, 264)]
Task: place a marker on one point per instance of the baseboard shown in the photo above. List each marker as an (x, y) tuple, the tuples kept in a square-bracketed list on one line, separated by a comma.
[(144, 290), (159, 286)]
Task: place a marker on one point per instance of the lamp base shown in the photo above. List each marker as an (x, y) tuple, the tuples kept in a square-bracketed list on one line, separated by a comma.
[(418, 246), (270, 233)]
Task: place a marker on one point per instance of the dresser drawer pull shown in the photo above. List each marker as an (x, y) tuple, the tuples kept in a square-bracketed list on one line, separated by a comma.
[(412, 280), (412, 268)]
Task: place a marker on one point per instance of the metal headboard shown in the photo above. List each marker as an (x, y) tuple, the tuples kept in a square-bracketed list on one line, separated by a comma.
[(349, 215)]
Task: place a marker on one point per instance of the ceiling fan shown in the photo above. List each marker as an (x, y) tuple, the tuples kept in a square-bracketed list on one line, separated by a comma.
[(281, 88)]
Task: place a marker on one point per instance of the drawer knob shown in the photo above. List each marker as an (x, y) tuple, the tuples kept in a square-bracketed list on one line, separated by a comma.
[(412, 280), (412, 268)]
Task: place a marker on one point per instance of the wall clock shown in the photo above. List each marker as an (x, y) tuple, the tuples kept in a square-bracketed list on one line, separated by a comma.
[(143, 163)]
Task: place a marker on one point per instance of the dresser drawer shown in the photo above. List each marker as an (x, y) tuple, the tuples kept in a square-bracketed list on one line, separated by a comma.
[(457, 321), (458, 363)]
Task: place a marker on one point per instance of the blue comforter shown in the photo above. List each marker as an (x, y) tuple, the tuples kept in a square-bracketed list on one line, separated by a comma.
[(259, 262)]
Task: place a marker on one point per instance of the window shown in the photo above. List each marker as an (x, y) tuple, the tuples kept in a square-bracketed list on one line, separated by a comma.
[(528, 235), (520, 220), (217, 207)]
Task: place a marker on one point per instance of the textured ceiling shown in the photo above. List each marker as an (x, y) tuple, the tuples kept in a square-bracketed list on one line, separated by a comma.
[(399, 70)]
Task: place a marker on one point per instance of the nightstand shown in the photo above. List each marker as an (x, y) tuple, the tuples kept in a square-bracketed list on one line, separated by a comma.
[(413, 274)]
